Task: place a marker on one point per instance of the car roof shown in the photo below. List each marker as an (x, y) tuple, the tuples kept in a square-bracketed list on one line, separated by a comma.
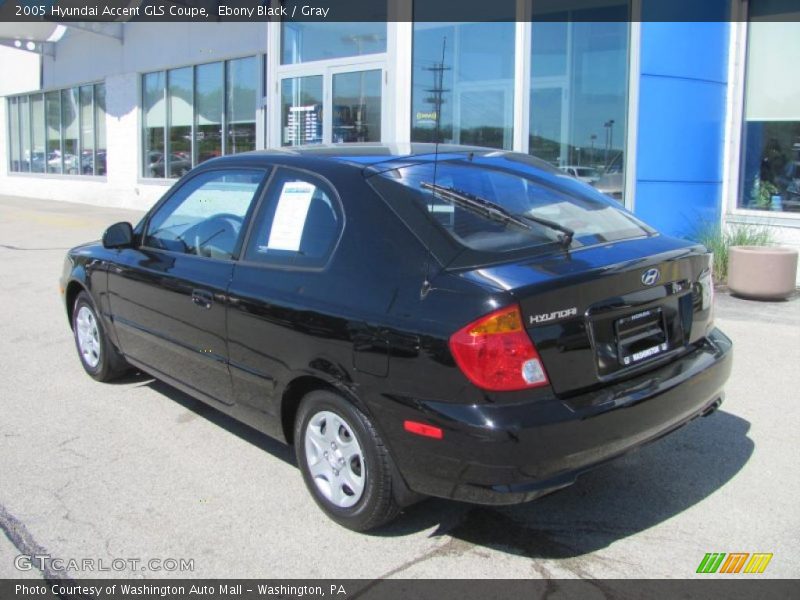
[(376, 156)]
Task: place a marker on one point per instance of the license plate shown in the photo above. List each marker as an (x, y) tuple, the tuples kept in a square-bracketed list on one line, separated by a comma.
[(641, 336)]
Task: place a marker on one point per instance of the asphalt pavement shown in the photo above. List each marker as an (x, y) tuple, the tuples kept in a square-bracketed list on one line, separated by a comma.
[(138, 471)]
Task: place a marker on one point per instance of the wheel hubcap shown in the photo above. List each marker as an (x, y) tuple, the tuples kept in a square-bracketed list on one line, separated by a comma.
[(88, 336), (335, 459)]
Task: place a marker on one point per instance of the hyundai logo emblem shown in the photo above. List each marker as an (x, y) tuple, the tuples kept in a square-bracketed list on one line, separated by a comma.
[(651, 276)]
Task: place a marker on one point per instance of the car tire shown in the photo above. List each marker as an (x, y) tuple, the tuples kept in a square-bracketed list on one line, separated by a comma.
[(100, 359), (335, 463)]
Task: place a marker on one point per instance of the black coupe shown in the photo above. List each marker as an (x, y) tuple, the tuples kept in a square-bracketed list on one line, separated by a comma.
[(445, 321)]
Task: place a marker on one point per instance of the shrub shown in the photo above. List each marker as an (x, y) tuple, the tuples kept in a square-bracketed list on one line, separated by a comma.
[(718, 239)]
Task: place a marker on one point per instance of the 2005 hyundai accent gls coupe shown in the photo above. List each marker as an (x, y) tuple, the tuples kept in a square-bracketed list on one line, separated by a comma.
[(454, 322)]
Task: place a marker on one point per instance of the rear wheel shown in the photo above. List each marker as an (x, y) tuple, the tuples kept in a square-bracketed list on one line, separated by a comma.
[(344, 462), (99, 357)]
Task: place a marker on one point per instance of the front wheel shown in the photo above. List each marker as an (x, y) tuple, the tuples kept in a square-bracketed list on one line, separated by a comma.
[(344, 462), (99, 357)]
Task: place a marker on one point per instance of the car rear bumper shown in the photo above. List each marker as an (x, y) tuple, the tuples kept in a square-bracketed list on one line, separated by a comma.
[(507, 454)]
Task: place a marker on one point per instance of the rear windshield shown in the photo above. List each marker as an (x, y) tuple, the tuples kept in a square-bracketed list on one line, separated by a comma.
[(491, 210)]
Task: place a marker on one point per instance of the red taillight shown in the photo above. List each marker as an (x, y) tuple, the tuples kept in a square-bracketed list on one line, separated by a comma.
[(496, 354), (423, 429)]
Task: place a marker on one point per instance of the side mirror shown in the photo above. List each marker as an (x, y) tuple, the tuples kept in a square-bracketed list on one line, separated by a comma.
[(119, 235)]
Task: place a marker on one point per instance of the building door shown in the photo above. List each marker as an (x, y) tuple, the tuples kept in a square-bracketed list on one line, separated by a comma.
[(334, 104)]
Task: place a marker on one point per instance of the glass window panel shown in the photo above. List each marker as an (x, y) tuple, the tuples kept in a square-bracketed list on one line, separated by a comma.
[(242, 90), (297, 224), (520, 191), (205, 215), (578, 97), (13, 122), (304, 42), (100, 127), (53, 115), (25, 134), (70, 128), (154, 120), (209, 106), (87, 131), (38, 141), (772, 49), (181, 111), (301, 110), (357, 106), (463, 79), (770, 172)]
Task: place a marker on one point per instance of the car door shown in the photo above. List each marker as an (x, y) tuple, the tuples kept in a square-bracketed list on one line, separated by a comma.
[(281, 300), (168, 294)]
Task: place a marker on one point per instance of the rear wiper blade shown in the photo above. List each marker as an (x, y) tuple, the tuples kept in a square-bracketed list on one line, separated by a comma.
[(475, 204), (496, 212), (567, 233)]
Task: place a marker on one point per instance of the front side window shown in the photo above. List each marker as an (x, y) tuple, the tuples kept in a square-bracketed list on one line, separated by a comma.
[(298, 223), (770, 172), (485, 207), (205, 216)]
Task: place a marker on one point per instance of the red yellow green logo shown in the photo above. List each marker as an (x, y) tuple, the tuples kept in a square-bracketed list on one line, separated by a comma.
[(734, 562)]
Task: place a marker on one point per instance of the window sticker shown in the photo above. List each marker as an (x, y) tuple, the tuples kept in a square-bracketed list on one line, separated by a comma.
[(290, 216)]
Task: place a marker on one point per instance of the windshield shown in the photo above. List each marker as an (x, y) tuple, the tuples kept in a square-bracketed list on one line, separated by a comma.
[(546, 211)]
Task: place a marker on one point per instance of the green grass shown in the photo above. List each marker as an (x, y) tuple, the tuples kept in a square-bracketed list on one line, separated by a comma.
[(718, 239)]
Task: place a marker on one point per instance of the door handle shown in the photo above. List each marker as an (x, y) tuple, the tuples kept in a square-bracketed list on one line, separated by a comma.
[(202, 298)]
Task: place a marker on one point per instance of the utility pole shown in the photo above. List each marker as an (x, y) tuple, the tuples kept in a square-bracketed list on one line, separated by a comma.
[(438, 89), (609, 125)]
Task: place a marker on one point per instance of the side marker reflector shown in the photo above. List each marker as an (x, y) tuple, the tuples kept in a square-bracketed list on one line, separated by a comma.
[(423, 429)]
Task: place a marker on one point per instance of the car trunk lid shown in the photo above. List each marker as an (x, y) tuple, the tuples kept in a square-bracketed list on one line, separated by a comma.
[(604, 313)]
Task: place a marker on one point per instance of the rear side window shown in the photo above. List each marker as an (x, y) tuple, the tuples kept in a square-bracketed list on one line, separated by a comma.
[(298, 224), (494, 210), (205, 215)]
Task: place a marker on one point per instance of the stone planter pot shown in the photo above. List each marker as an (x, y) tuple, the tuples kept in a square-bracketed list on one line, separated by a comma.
[(762, 272)]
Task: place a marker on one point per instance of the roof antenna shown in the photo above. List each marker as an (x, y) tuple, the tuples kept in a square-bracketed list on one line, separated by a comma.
[(437, 91)]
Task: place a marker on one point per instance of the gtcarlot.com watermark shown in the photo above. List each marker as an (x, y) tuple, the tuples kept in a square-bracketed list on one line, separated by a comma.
[(47, 563)]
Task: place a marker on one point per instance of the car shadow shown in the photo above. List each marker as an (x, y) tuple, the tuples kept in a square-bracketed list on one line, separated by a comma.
[(201, 409), (619, 499)]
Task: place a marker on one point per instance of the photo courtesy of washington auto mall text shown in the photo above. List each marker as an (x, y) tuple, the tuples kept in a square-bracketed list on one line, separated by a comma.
[(166, 589)]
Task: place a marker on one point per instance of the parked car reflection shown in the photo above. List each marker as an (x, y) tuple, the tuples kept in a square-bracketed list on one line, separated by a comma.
[(180, 164)]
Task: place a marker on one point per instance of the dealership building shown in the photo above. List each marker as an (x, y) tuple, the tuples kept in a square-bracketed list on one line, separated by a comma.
[(686, 123)]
